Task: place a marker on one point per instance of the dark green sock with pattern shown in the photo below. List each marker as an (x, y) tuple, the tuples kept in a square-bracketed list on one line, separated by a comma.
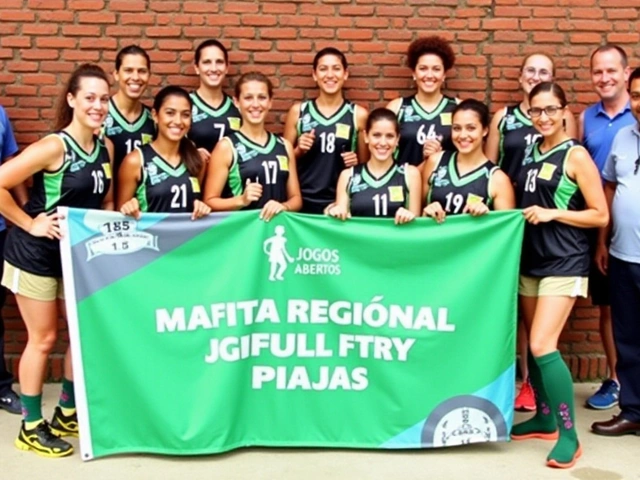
[(544, 420), (559, 387)]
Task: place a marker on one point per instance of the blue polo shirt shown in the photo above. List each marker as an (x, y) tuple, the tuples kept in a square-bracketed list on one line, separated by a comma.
[(599, 130), (621, 169), (8, 146)]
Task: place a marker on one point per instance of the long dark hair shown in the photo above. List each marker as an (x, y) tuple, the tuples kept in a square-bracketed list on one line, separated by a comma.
[(188, 151), (64, 112)]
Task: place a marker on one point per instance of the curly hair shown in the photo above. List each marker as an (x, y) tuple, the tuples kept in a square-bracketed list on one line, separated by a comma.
[(430, 45)]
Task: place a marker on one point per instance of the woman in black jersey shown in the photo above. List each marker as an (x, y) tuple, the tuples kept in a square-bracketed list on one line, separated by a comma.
[(510, 134), (256, 167), (326, 132), (512, 130), (214, 113), (425, 118), (71, 168), (380, 187), (129, 124), (465, 180), (559, 189), (165, 175)]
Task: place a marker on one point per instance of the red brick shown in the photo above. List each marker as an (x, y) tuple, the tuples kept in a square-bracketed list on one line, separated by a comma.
[(86, 4)]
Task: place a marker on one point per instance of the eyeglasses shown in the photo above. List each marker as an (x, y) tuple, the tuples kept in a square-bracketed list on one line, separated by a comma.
[(637, 164), (542, 73), (549, 110)]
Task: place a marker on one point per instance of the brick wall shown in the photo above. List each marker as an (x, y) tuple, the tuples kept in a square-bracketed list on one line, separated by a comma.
[(42, 40)]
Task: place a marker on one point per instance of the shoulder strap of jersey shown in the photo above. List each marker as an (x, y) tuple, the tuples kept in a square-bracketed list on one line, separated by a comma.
[(232, 139), (506, 112)]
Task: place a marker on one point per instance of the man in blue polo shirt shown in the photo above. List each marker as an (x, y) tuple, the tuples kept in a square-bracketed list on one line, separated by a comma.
[(598, 126), (622, 265), (9, 400)]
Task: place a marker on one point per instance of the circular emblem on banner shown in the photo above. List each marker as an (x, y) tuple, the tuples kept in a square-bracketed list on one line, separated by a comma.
[(463, 420)]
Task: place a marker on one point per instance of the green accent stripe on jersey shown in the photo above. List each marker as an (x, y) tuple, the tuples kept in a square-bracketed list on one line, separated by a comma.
[(538, 157), (354, 133), (234, 178), (429, 115), (168, 169), (53, 186), (141, 195), (208, 109), (123, 122), (566, 188), (87, 157), (372, 182), (326, 121), (489, 197), (466, 179), (141, 190), (522, 117), (258, 148)]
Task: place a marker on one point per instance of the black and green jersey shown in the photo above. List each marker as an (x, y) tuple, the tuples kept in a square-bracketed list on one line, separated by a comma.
[(209, 125), (164, 188), (516, 134), (320, 167), (266, 164), (377, 197), (417, 126), (455, 191), (126, 136), (82, 181), (552, 248)]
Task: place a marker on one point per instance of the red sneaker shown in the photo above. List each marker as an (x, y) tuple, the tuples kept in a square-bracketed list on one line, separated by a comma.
[(526, 400)]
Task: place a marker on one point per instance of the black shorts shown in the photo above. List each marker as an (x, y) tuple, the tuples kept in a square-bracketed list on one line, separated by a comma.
[(598, 283)]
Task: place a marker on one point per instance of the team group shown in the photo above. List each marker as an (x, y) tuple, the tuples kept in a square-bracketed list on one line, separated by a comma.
[(426, 154)]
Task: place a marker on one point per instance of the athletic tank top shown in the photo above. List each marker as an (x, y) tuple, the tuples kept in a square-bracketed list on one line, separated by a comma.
[(164, 188), (320, 167), (417, 125), (516, 134), (82, 181), (553, 248), (209, 125), (454, 191), (267, 165), (371, 197), (126, 136)]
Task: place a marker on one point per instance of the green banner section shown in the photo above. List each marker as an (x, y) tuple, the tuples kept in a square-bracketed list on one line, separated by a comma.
[(196, 337)]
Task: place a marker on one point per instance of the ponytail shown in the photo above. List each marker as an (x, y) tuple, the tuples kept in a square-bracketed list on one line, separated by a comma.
[(190, 156)]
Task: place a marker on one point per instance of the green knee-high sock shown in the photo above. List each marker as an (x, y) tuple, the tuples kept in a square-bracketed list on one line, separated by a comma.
[(67, 397), (559, 386), (544, 421)]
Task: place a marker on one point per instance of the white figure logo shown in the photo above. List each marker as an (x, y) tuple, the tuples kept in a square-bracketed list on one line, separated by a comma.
[(276, 249)]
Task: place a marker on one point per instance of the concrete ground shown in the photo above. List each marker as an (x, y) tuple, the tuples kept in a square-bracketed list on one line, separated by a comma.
[(603, 459)]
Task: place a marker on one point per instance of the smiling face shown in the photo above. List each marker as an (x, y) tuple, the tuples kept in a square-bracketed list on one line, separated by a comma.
[(91, 102), (173, 118), (133, 76), (382, 139), (429, 73), (547, 123), (212, 67), (536, 69), (253, 102), (609, 75), (467, 131), (330, 74)]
